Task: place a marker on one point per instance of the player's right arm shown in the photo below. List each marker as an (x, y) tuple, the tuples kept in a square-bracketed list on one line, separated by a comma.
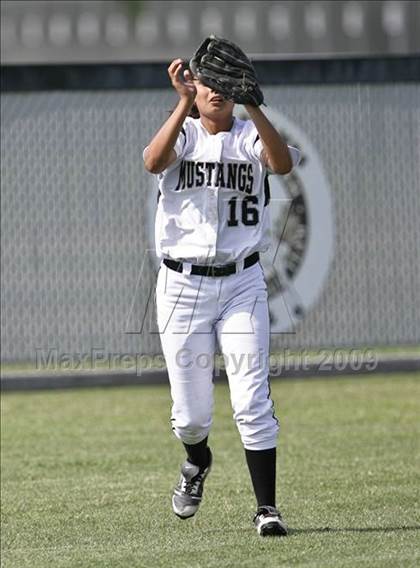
[(160, 152)]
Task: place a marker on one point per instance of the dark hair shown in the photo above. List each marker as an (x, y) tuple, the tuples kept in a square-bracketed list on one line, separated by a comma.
[(194, 112)]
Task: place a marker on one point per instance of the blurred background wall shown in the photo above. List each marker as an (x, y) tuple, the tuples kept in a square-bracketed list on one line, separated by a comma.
[(36, 31), (77, 202), (78, 265)]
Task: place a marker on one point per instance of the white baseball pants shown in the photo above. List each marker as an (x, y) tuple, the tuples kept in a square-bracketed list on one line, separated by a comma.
[(193, 312)]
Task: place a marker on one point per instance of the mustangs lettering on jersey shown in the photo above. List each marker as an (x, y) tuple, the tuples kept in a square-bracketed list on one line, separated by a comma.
[(231, 175), (212, 205)]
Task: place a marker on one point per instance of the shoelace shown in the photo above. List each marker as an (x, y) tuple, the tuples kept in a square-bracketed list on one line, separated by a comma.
[(192, 485), (266, 513)]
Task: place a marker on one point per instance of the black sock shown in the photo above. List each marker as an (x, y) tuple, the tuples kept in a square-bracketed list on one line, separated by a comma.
[(198, 454), (262, 467)]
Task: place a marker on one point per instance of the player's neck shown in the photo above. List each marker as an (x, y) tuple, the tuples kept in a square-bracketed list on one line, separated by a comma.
[(222, 124)]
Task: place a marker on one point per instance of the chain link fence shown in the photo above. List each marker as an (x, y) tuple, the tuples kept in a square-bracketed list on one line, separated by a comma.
[(76, 219)]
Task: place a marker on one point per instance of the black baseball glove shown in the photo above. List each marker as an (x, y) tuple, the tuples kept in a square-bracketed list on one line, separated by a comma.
[(221, 65)]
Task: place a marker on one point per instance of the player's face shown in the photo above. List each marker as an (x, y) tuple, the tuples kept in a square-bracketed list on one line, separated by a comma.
[(210, 103)]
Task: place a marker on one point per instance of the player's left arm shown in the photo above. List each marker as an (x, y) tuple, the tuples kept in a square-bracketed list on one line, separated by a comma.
[(275, 153)]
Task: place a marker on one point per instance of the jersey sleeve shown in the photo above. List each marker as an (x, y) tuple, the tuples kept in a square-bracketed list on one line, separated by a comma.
[(181, 142), (255, 147), (252, 141), (179, 145), (295, 155), (185, 139)]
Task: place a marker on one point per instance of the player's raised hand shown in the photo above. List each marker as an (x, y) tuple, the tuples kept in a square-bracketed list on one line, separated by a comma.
[(182, 82)]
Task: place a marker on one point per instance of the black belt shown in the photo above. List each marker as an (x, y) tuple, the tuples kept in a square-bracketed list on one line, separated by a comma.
[(209, 270)]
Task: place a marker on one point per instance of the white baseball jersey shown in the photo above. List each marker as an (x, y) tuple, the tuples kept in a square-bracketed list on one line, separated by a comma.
[(212, 199)]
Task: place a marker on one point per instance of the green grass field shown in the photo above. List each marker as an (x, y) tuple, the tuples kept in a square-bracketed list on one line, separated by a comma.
[(87, 477)]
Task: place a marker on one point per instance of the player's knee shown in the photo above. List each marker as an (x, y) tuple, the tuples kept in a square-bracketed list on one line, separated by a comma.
[(259, 428), (192, 429), (262, 437), (191, 435)]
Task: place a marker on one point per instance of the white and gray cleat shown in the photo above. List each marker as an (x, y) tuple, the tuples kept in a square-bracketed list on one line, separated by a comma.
[(188, 493), (268, 522)]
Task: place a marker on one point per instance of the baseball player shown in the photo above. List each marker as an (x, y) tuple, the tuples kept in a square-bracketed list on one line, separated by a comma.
[(212, 222)]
